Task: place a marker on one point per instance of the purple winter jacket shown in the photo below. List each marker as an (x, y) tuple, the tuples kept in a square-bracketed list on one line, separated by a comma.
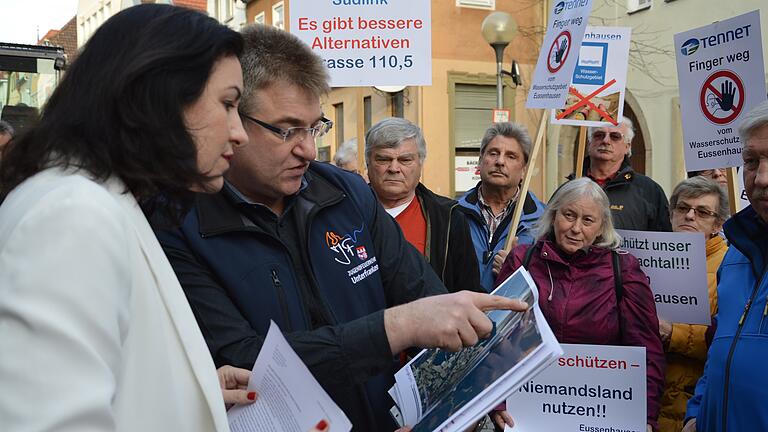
[(581, 307)]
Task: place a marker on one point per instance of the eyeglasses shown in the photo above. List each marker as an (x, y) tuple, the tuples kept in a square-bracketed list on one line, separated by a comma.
[(700, 212), (600, 135), (295, 134), (717, 172)]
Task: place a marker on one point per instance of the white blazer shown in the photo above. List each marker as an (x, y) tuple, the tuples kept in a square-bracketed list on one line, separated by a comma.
[(95, 331)]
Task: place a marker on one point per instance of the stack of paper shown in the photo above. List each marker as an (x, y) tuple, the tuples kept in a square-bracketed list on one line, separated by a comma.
[(444, 391)]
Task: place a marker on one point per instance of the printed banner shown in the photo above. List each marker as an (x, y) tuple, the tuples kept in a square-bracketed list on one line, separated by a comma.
[(557, 58), (676, 266), (721, 76), (590, 388), (383, 42), (596, 94)]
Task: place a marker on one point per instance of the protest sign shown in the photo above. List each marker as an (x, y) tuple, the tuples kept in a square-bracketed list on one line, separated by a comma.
[(557, 58), (721, 76), (676, 266), (596, 94), (589, 388), (467, 173), (382, 43), (741, 200)]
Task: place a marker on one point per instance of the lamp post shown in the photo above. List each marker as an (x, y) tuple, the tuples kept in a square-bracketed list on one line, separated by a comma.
[(498, 29)]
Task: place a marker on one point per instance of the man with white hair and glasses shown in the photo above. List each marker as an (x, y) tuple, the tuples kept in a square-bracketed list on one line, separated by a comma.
[(637, 202)]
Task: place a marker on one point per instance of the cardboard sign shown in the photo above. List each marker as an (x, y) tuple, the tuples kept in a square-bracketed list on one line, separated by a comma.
[(384, 43), (557, 58), (467, 173), (596, 94), (589, 388), (676, 266), (721, 76)]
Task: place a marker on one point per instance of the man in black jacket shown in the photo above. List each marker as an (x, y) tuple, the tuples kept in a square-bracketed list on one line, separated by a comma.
[(637, 202), (307, 245), (394, 153)]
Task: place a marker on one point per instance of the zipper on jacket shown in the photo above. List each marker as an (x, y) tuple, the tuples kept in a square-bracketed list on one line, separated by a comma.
[(281, 297), (726, 379)]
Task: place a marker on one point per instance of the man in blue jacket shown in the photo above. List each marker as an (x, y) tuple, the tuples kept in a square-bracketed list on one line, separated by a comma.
[(504, 152), (307, 245), (732, 395)]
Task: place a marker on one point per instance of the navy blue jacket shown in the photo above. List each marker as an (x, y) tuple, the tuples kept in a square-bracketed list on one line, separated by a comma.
[(238, 277)]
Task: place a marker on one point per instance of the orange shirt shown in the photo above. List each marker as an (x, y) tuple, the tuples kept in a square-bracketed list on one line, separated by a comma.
[(413, 224)]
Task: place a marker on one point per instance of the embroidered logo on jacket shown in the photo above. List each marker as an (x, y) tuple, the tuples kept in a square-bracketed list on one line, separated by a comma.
[(345, 249)]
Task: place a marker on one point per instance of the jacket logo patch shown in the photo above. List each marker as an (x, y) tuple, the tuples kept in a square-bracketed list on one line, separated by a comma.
[(362, 253), (617, 207), (342, 246)]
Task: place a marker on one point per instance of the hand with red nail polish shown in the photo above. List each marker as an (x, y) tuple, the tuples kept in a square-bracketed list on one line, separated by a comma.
[(234, 384)]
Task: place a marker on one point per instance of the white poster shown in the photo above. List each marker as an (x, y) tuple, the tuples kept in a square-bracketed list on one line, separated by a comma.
[(743, 201), (676, 266), (557, 58), (383, 43), (589, 388), (467, 173), (721, 76), (596, 94)]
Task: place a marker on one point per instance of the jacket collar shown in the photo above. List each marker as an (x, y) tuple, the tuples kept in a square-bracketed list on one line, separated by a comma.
[(471, 198), (175, 302), (747, 232), (218, 213), (623, 175)]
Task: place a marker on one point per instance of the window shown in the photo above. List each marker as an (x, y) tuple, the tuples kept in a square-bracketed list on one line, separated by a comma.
[(259, 18), (638, 5), (477, 4), (278, 15), (398, 104), (472, 114), (225, 10), (338, 124), (367, 114)]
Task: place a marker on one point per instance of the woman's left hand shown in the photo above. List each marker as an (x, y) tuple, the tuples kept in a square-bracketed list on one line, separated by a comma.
[(502, 419), (234, 384)]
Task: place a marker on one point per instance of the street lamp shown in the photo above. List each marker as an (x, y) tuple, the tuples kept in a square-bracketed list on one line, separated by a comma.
[(498, 29)]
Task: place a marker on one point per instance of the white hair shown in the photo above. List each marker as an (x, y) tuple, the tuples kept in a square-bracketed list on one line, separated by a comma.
[(346, 153), (628, 137)]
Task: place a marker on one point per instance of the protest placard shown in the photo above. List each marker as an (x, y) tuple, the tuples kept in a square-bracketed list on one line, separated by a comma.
[(721, 76), (676, 266), (596, 94), (384, 42), (557, 58), (589, 388)]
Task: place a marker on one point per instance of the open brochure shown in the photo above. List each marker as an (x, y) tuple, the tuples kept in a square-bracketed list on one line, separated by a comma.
[(446, 391)]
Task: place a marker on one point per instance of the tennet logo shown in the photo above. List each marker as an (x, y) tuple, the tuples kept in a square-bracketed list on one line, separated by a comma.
[(569, 4), (689, 47)]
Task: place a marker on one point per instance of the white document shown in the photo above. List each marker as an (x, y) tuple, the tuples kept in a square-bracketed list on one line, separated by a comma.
[(386, 43), (596, 95), (676, 266), (444, 391), (290, 399), (589, 388), (557, 58), (721, 75)]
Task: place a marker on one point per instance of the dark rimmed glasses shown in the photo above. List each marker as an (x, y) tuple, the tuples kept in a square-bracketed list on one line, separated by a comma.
[(700, 212), (295, 134), (600, 135)]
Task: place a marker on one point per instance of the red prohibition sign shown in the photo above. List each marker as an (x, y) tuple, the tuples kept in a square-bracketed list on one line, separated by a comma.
[(710, 108), (554, 48)]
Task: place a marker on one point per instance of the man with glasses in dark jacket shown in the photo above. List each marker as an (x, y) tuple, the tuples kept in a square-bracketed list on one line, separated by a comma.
[(637, 202)]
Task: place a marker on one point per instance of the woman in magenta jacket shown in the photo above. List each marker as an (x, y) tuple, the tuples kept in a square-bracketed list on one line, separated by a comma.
[(572, 264)]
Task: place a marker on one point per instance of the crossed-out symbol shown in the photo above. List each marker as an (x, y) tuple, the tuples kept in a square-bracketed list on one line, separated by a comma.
[(559, 51), (726, 100), (585, 100)]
